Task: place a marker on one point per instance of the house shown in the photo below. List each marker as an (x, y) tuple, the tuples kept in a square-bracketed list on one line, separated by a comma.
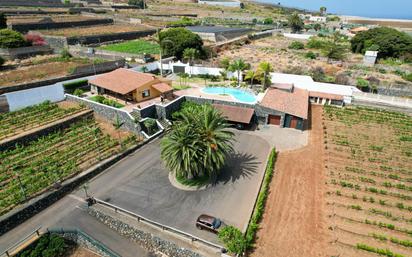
[(370, 58), (130, 85), (240, 116), (285, 106), (321, 19)]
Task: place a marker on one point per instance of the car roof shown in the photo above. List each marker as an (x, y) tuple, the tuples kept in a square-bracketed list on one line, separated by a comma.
[(206, 218)]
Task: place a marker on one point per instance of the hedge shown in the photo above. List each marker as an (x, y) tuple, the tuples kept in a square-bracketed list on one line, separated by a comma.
[(71, 86), (261, 200)]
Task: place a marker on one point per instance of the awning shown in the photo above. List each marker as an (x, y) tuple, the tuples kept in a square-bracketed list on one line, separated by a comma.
[(162, 87), (235, 113)]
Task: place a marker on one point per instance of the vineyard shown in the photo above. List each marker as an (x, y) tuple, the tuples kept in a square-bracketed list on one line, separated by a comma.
[(27, 171), (13, 123), (369, 169)]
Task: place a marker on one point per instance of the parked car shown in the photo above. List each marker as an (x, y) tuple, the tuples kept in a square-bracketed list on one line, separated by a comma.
[(208, 223)]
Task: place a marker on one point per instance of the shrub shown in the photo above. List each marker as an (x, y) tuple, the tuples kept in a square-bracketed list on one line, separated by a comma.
[(11, 39), (2, 61), (71, 86), (151, 126), (47, 246), (35, 40), (310, 55), (318, 74), (3, 21), (316, 43), (65, 54), (362, 84), (268, 20), (407, 77), (185, 21), (389, 41), (78, 92), (296, 45), (233, 239), (138, 3)]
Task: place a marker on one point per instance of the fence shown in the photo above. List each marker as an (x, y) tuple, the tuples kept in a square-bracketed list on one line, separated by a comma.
[(12, 250), (382, 99), (159, 225)]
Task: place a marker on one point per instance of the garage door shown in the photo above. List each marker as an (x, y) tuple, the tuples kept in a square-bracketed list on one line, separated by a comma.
[(274, 119), (294, 122)]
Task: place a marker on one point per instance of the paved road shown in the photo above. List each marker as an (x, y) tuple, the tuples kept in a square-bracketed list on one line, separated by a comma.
[(140, 184)]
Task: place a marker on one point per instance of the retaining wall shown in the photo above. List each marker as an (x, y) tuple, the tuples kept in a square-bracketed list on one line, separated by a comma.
[(24, 52), (24, 27), (20, 214), (32, 135)]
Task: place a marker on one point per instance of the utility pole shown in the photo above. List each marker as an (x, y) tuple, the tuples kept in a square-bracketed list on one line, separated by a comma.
[(22, 188)]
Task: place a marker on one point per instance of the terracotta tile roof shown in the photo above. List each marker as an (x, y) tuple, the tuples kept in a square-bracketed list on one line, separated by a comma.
[(295, 103), (122, 80), (162, 87), (326, 95), (235, 113)]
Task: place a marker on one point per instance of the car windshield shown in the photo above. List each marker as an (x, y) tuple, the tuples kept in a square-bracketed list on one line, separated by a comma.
[(216, 223)]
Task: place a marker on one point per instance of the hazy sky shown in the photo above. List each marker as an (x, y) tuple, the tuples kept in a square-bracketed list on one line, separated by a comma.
[(369, 8)]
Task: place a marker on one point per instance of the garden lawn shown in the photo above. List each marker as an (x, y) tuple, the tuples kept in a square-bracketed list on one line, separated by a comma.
[(133, 47)]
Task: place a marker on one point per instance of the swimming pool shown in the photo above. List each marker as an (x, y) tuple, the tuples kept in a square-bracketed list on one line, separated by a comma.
[(238, 94)]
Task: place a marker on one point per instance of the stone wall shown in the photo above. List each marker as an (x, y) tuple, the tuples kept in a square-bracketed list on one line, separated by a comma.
[(24, 52), (55, 42), (110, 113), (147, 112), (165, 111), (20, 214), (26, 138), (96, 39), (391, 91), (24, 27), (147, 240), (80, 72)]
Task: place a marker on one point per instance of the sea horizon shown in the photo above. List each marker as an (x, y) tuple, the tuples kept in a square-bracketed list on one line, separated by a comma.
[(395, 9)]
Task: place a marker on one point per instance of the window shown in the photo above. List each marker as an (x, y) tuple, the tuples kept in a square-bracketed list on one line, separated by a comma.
[(146, 93)]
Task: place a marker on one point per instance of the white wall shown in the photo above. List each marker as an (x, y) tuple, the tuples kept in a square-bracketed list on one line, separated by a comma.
[(223, 3), (24, 98)]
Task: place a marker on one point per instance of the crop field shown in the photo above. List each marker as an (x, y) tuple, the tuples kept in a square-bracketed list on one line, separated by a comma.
[(369, 169), (26, 171), (13, 123), (134, 47), (95, 30)]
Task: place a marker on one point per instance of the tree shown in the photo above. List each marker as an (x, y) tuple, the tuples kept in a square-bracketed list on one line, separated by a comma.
[(390, 42), (3, 21), (238, 66), (322, 10), (180, 39), (295, 22), (250, 75), (224, 63), (198, 143), (264, 69), (335, 48), (317, 26), (191, 54), (139, 3), (11, 39)]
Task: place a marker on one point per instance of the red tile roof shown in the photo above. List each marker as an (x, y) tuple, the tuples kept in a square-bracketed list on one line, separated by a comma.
[(235, 113), (325, 95), (162, 87), (122, 80), (295, 103)]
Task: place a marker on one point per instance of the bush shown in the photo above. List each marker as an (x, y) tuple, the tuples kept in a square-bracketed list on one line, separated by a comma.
[(233, 239), (296, 45), (185, 21), (103, 100), (318, 74), (268, 21), (3, 21), (47, 246), (151, 126), (362, 84), (11, 39), (2, 61), (389, 42), (407, 77), (310, 55), (65, 54), (78, 92), (71, 86), (316, 43), (138, 3), (35, 40), (181, 39)]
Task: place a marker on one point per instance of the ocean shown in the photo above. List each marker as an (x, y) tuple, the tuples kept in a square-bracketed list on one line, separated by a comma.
[(393, 9)]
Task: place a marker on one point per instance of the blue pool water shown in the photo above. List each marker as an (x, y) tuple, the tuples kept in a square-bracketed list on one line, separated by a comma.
[(238, 94)]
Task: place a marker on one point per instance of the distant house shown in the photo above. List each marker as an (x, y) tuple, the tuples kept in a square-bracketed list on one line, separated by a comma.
[(226, 3), (370, 58), (218, 33), (358, 30), (321, 19), (130, 85)]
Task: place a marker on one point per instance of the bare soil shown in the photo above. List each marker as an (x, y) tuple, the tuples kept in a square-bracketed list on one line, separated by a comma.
[(294, 222), (54, 18), (82, 252), (95, 30)]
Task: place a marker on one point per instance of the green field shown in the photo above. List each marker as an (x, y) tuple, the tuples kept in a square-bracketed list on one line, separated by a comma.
[(133, 47)]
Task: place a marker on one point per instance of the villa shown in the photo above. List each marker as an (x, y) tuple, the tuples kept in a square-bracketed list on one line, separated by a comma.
[(131, 86)]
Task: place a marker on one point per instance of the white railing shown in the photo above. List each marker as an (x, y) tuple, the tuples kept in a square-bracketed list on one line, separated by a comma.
[(11, 251), (159, 225)]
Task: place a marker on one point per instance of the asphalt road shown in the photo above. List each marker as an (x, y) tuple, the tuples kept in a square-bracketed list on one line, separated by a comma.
[(140, 184)]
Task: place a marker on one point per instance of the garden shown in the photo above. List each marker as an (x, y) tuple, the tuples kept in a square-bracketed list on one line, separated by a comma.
[(14, 123), (369, 169), (133, 47), (28, 170)]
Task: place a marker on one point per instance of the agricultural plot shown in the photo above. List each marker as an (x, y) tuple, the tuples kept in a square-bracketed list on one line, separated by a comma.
[(369, 169), (133, 47), (26, 171), (13, 123)]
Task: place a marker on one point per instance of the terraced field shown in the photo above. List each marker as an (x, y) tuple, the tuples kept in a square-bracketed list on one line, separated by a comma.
[(369, 168), (26, 171), (13, 123)]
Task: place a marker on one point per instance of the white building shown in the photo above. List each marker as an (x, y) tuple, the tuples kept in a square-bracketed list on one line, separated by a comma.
[(370, 58), (321, 19)]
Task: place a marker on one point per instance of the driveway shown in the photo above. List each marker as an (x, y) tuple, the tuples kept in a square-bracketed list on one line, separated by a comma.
[(140, 184)]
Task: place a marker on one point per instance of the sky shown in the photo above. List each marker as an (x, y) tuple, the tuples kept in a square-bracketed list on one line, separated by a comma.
[(401, 9)]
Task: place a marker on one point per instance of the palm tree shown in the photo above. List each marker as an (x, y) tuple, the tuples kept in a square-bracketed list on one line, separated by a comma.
[(238, 66), (264, 69), (322, 10), (250, 75), (295, 22), (161, 43), (190, 54), (198, 143)]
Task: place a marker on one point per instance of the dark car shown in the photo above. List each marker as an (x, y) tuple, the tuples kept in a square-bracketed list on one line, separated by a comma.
[(208, 223)]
